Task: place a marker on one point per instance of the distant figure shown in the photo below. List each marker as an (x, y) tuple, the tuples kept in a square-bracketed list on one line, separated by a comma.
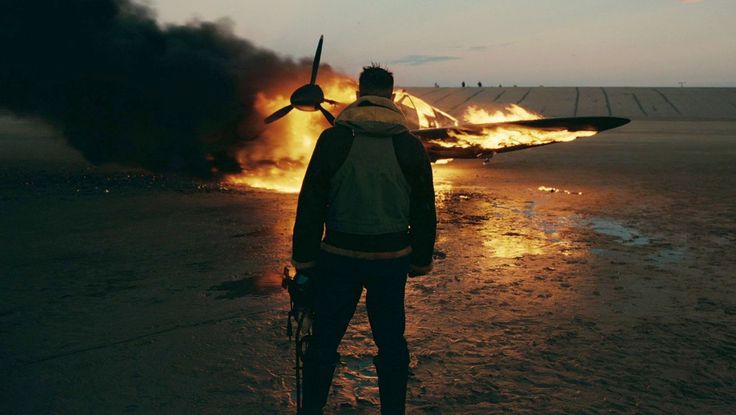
[(369, 186), (463, 84), (480, 84), (500, 86), (436, 85)]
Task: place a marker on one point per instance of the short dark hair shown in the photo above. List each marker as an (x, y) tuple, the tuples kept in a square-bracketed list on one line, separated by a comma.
[(376, 80)]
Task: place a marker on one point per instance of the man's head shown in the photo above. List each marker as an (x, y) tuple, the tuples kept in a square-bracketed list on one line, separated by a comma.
[(375, 80)]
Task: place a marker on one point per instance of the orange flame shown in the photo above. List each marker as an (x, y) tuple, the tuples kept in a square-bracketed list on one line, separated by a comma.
[(496, 138), (475, 115), (278, 159)]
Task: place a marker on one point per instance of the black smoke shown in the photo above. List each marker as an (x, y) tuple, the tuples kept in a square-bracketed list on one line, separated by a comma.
[(124, 89)]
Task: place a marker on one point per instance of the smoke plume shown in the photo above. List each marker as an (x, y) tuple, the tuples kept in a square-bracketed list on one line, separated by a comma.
[(124, 89)]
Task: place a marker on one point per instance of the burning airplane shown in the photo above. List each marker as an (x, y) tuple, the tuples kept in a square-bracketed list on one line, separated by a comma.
[(480, 134)]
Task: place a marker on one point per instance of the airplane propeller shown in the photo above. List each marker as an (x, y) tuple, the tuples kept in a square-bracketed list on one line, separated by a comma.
[(307, 97)]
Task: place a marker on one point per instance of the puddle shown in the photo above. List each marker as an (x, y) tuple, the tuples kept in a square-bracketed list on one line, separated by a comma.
[(519, 238), (668, 256), (661, 254), (529, 211), (625, 235), (515, 245)]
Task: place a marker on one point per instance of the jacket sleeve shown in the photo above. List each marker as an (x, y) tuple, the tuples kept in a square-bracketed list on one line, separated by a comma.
[(423, 216), (311, 211)]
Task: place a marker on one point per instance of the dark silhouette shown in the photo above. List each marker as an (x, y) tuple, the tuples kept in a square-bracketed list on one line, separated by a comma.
[(480, 84), (378, 217), (463, 84), (308, 97)]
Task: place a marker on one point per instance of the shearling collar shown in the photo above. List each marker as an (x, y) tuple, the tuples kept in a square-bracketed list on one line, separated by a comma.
[(373, 115)]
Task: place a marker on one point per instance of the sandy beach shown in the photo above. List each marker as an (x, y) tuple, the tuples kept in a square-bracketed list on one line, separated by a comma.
[(128, 292)]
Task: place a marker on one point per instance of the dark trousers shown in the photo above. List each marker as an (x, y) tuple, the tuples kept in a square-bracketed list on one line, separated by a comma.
[(339, 282)]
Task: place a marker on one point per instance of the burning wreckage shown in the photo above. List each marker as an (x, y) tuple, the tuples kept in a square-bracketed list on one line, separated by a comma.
[(118, 94), (481, 136)]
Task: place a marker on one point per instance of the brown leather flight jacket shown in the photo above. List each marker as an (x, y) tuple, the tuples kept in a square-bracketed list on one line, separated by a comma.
[(368, 190)]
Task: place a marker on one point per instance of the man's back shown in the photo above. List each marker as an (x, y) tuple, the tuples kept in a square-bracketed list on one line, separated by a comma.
[(370, 183), (369, 194)]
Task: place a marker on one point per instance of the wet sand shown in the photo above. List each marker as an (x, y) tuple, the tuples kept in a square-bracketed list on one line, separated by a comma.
[(125, 292)]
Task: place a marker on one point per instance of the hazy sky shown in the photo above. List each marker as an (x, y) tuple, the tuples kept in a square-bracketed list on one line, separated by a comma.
[(524, 42)]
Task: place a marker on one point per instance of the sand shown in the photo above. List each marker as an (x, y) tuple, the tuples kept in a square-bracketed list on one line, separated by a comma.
[(125, 292)]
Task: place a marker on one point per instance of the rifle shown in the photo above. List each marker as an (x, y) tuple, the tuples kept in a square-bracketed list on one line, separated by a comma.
[(302, 314)]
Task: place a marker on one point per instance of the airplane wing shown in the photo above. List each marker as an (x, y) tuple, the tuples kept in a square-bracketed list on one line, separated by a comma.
[(479, 140)]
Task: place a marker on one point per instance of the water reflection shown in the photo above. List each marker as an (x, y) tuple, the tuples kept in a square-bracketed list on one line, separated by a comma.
[(513, 245), (499, 227), (443, 175)]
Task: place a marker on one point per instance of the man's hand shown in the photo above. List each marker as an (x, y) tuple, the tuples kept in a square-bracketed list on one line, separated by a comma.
[(301, 288), (308, 272), (418, 271)]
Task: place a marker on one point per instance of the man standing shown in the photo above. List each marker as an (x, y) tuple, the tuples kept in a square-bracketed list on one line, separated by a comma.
[(369, 187)]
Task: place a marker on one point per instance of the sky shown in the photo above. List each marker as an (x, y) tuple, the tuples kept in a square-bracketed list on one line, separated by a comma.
[(507, 42)]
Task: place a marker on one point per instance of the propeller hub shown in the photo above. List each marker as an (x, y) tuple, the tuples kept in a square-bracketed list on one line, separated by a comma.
[(308, 97)]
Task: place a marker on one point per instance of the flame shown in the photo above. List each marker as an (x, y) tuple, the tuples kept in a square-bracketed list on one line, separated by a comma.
[(278, 159), (475, 115), (497, 138), (556, 190)]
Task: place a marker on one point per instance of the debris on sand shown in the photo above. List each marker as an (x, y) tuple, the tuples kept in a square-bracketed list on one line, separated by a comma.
[(556, 190)]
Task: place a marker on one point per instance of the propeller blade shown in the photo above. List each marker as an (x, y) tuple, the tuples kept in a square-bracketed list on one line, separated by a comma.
[(330, 101), (328, 115), (315, 64), (278, 114)]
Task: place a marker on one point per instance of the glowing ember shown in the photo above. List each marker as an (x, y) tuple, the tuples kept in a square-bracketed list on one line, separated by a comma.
[(443, 161)]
